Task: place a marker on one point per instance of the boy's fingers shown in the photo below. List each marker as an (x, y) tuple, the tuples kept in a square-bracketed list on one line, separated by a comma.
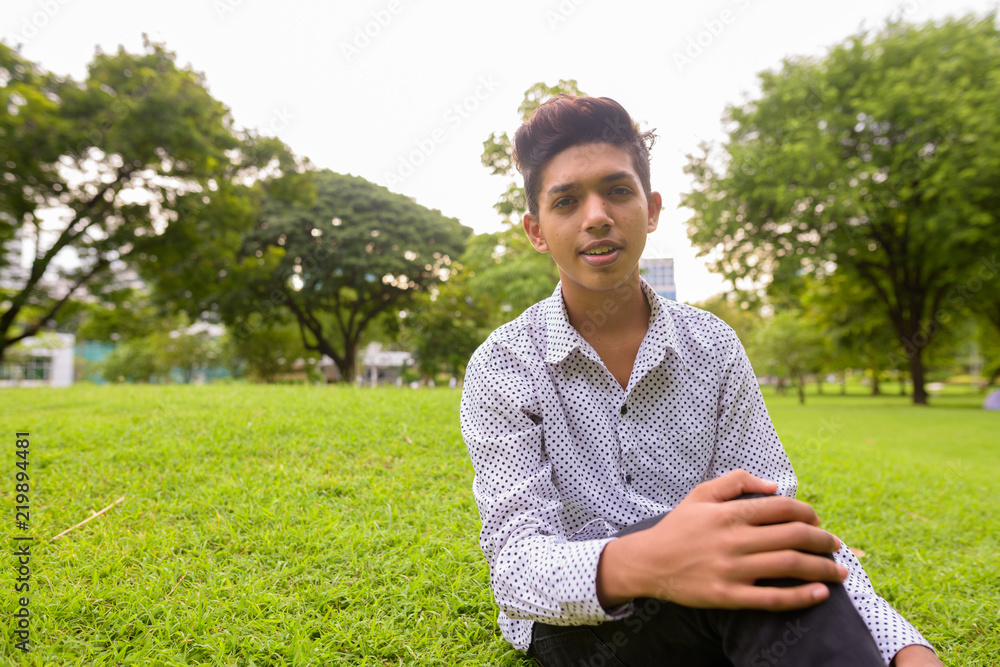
[(731, 485), (772, 510), (769, 598), (794, 536), (794, 565)]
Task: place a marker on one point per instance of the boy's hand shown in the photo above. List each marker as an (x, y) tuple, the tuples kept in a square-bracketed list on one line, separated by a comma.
[(916, 656), (708, 552)]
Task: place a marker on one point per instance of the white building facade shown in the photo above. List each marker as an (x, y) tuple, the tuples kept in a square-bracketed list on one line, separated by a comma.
[(39, 361)]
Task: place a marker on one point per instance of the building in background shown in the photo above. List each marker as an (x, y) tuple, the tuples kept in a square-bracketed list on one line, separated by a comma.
[(376, 366), (659, 273), (45, 360)]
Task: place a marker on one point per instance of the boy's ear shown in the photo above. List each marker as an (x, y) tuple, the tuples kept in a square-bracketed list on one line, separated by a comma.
[(534, 232), (655, 206)]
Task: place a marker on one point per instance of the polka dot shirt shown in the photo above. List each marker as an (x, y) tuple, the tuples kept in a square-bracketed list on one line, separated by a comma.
[(564, 457)]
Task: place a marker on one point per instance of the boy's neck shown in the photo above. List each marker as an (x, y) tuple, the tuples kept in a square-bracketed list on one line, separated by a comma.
[(617, 316)]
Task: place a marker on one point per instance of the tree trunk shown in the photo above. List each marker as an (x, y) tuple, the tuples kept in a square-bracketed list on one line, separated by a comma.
[(802, 390), (876, 387), (348, 369), (843, 383), (348, 364), (779, 386), (819, 383), (917, 373)]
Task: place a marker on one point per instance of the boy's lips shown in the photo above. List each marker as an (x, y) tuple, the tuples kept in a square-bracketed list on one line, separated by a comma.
[(598, 248), (601, 254)]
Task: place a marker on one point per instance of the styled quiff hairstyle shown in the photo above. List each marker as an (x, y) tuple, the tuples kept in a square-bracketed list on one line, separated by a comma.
[(565, 121)]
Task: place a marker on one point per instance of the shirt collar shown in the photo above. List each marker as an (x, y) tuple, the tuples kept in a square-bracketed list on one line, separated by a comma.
[(561, 337)]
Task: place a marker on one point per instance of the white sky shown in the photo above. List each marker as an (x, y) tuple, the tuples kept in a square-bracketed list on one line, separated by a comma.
[(374, 104)]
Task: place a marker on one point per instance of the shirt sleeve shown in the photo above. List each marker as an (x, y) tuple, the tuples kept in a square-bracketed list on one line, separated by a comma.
[(745, 438), (890, 630), (535, 572)]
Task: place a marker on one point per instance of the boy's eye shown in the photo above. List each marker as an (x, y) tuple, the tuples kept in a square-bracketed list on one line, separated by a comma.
[(621, 190), (565, 201)]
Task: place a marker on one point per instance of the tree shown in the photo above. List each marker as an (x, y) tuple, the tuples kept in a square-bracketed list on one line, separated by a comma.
[(988, 311), (989, 349), (272, 350), (123, 314), (736, 314), (170, 347), (328, 252), (184, 350), (878, 163), (131, 361), (359, 251), (849, 312), (787, 345), (93, 167), (445, 327), (506, 274)]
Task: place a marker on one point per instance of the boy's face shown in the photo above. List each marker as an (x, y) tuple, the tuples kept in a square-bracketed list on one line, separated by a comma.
[(593, 216)]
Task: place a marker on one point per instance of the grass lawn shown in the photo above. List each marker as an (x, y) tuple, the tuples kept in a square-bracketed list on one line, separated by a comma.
[(290, 525)]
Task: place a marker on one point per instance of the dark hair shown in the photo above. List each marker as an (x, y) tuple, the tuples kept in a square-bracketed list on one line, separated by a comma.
[(566, 121)]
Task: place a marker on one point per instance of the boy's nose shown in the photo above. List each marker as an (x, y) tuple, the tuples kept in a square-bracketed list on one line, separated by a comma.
[(595, 215)]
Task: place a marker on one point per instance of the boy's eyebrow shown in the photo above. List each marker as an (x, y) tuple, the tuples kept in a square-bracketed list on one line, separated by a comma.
[(565, 187)]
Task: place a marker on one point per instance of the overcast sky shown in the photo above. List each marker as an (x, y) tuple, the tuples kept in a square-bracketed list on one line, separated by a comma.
[(404, 92)]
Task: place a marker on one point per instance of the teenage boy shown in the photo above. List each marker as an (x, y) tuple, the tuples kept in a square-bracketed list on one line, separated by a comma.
[(609, 427)]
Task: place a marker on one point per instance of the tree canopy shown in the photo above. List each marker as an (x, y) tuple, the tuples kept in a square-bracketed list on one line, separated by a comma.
[(328, 252), (878, 163), (96, 167)]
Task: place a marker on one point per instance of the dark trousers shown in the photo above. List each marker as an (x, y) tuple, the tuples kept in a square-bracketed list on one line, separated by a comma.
[(664, 634)]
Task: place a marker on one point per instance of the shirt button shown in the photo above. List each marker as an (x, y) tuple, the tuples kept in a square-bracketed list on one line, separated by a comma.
[(628, 479), (624, 410)]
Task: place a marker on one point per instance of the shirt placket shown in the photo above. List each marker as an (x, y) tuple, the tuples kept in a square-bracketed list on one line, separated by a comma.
[(624, 431)]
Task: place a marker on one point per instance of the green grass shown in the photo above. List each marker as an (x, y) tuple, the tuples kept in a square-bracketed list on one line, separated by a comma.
[(324, 525)]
